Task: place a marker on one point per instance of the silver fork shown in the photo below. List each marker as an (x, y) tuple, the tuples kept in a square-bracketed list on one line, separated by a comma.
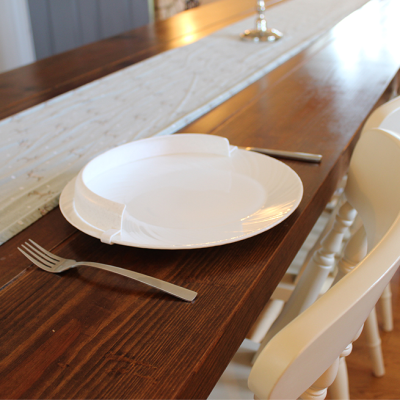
[(55, 264)]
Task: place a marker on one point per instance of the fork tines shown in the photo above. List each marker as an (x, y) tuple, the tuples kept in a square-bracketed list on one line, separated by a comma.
[(38, 255)]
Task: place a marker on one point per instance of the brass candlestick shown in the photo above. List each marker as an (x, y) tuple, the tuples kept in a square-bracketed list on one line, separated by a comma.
[(261, 33)]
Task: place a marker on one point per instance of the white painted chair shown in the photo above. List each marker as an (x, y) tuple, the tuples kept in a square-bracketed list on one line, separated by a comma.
[(302, 359), (324, 252), (387, 116)]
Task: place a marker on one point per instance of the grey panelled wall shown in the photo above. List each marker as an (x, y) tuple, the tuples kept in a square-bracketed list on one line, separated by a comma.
[(61, 25)]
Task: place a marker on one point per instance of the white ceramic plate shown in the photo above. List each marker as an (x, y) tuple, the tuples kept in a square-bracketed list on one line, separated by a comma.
[(180, 191)]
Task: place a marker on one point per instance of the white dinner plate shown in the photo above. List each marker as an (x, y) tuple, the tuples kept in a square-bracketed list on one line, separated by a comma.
[(179, 192)]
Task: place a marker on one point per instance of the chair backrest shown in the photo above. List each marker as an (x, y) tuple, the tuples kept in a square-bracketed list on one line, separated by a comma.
[(386, 116), (301, 352)]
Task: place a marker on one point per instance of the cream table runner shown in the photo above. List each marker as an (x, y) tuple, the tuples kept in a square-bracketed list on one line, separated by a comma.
[(45, 146)]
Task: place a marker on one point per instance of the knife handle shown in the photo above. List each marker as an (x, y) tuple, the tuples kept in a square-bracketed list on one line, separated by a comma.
[(292, 155)]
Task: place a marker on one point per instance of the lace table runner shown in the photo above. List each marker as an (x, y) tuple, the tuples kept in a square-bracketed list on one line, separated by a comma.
[(45, 146)]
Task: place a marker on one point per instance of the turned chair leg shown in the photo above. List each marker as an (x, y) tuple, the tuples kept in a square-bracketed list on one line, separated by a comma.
[(319, 389), (340, 387), (335, 379), (374, 343), (386, 309)]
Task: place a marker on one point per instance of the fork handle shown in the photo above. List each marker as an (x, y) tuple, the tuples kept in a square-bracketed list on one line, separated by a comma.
[(174, 290)]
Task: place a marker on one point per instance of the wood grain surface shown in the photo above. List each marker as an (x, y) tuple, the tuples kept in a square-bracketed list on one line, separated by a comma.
[(90, 334), (26, 86)]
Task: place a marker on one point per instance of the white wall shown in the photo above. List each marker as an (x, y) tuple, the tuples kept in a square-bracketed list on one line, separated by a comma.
[(16, 43)]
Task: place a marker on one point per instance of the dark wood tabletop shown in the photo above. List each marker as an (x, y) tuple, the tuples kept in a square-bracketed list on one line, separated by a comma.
[(89, 334)]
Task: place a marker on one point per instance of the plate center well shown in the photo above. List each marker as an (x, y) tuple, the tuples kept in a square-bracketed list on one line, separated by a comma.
[(182, 191)]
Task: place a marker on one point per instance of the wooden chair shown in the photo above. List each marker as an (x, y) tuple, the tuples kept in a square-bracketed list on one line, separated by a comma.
[(387, 116), (303, 358)]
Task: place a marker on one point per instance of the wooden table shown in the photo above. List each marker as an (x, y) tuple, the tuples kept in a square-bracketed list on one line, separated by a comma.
[(90, 334)]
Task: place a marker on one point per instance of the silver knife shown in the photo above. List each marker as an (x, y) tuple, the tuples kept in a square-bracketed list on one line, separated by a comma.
[(292, 155)]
